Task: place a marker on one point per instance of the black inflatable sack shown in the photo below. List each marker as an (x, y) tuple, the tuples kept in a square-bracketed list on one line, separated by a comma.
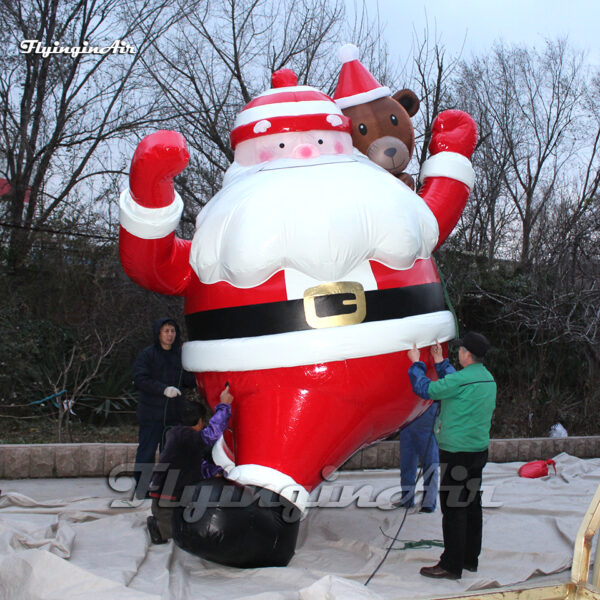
[(237, 525)]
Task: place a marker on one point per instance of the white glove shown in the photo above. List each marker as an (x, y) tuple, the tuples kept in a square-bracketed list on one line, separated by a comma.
[(171, 392)]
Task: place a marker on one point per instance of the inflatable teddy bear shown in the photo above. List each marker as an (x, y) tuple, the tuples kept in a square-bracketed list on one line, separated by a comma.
[(383, 131), (307, 281), (381, 125)]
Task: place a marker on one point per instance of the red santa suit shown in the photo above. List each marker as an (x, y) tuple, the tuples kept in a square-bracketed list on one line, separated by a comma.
[(315, 355)]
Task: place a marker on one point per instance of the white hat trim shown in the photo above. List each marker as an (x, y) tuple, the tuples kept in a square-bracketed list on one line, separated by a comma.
[(286, 109), (364, 97), (290, 88)]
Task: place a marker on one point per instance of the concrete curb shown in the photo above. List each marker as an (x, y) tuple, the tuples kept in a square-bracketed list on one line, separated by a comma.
[(22, 461)]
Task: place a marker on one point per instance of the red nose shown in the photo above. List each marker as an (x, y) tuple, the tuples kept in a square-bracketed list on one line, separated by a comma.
[(306, 151)]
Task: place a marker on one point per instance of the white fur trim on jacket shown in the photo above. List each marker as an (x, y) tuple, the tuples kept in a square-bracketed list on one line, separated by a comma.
[(451, 165), (149, 223), (220, 456), (273, 480), (312, 346)]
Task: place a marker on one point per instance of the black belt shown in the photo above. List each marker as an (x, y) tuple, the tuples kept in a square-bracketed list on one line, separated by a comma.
[(327, 305)]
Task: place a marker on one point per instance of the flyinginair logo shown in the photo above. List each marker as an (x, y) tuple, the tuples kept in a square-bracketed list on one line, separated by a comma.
[(37, 47)]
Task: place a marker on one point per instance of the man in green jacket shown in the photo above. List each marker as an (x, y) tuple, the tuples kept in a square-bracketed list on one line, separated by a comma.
[(467, 401)]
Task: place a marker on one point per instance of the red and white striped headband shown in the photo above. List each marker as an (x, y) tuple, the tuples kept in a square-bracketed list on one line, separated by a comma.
[(288, 107)]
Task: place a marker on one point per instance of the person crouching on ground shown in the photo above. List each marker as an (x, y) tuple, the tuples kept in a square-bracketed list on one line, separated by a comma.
[(467, 401), (185, 460)]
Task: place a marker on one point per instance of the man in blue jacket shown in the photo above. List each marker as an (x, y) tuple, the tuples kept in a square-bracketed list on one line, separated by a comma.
[(467, 401), (158, 376)]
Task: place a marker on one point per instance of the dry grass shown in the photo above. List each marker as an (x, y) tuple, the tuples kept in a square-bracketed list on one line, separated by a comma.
[(43, 431)]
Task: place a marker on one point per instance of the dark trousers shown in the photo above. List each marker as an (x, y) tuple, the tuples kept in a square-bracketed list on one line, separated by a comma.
[(150, 437), (163, 516), (460, 500)]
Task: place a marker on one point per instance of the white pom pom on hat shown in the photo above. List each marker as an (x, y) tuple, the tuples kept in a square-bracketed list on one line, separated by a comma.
[(347, 53), (356, 85)]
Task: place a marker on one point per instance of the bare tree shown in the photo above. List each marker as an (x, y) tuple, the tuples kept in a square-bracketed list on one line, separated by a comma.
[(436, 80), (223, 54), (572, 243), (487, 224), (61, 101), (431, 79), (79, 368), (434, 76), (529, 103)]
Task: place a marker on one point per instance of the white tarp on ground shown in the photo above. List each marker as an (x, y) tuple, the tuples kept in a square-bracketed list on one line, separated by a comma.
[(62, 540)]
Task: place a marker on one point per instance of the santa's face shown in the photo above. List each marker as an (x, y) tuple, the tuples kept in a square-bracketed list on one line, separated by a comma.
[(300, 144)]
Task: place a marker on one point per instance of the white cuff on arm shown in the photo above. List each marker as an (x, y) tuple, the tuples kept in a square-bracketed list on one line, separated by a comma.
[(149, 223), (451, 165)]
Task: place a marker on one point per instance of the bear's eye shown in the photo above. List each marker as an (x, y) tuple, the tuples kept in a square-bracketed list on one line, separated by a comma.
[(320, 141), (394, 119), (282, 145), (362, 128)]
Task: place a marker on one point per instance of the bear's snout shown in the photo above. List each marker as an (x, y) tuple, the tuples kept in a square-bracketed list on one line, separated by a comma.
[(390, 153)]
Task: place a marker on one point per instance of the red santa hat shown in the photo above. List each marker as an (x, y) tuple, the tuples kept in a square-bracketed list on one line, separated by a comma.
[(288, 107), (355, 84)]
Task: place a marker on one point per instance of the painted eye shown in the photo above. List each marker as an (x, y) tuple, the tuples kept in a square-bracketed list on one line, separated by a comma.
[(362, 128), (320, 141), (282, 145), (394, 119)]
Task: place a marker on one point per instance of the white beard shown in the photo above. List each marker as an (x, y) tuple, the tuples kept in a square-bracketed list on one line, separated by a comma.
[(322, 217)]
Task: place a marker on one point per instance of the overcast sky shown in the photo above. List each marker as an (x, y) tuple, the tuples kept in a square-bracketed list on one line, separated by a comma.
[(485, 21)]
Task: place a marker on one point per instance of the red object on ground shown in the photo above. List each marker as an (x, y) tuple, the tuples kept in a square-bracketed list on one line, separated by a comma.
[(537, 468)]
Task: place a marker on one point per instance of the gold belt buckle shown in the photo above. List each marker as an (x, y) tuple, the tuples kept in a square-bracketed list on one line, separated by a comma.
[(335, 288)]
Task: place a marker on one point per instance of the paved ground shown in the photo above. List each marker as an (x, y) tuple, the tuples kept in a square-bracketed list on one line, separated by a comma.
[(48, 489)]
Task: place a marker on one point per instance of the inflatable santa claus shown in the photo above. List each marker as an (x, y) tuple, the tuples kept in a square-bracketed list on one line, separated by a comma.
[(306, 282)]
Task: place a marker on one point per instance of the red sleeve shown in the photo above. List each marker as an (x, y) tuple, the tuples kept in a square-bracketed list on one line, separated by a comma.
[(447, 199), (160, 265)]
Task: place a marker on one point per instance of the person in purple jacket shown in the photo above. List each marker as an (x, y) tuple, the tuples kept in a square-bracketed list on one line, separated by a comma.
[(185, 460)]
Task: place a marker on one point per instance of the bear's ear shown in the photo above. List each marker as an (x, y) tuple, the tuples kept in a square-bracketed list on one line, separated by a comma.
[(408, 100)]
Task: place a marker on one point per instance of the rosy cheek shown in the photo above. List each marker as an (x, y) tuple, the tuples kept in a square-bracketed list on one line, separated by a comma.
[(265, 155), (339, 148)]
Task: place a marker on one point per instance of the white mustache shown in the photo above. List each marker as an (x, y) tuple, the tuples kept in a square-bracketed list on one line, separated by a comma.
[(323, 219)]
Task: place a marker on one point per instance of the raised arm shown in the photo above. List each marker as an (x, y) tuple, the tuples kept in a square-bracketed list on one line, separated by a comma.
[(150, 210), (447, 174), (442, 365), (219, 421)]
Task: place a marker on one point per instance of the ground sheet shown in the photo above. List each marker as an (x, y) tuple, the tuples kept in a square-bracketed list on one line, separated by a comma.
[(76, 539)]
